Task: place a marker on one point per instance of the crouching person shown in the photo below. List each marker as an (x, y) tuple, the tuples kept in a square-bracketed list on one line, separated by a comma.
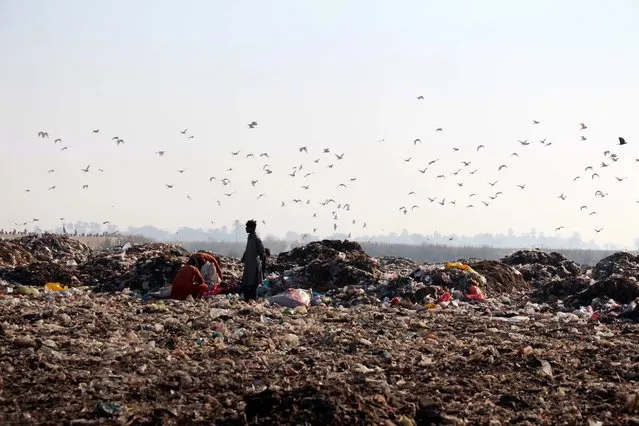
[(188, 281)]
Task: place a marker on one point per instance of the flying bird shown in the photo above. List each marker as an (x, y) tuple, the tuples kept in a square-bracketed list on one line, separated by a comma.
[(535, 122), (184, 131), (168, 186), (583, 138), (559, 228), (582, 126), (339, 156), (416, 141), (522, 186), (503, 166), (493, 183), (577, 177), (86, 170), (235, 153), (439, 129), (303, 149), (620, 179), (420, 97), (622, 141), (408, 159), (562, 196), (598, 230), (480, 146), (160, 153)]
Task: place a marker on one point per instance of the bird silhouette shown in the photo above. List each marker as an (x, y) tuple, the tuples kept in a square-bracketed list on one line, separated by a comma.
[(408, 159), (503, 166), (439, 129), (493, 183), (562, 196), (303, 149), (96, 130), (86, 169), (416, 141), (420, 97), (339, 156), (184, 131), (559, 228), (160, 153), (535, 122), (522, 186), (168, 186), (480, 146), (622, 141)]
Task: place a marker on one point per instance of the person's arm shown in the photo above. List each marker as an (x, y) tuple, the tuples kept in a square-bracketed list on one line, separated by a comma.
[(197, 276), (217, 268)]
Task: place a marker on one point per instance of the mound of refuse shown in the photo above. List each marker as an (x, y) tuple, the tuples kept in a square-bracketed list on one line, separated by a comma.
[(147, 267), (55, 248), (324, 265), (501, 279), (540, 267), (618, 288), (560, 289), (40, 273), (13, 254), (620, 263)]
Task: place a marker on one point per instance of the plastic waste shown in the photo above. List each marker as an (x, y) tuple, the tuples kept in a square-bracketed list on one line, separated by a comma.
[(446, 297), (55, 287), (27, 291), (475, 293), (292, 298)]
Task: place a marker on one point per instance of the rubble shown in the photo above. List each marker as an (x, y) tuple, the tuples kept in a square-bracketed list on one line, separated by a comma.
[(540, 267)]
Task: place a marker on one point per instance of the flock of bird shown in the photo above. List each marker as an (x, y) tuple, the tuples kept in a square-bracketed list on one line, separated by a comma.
[(338, 207)]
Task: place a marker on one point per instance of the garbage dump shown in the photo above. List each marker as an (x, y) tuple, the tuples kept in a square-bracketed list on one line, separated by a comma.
[(338, 337), (540, 267)]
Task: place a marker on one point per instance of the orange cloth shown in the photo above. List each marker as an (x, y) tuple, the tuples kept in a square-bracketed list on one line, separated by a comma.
[(188, 280), (209, 258)]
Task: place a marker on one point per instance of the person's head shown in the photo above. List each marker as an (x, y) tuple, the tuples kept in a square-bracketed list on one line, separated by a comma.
[(267, 252), (192, 261), (250, 226)]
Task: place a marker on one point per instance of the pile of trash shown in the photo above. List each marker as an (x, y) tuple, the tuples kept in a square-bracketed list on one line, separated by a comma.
[(324, 265), (618, 264), (54, 248), (13, 254), (146, 267), (540, 267)]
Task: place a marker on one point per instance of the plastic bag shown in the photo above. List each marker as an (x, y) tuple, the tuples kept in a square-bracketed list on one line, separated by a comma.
[(55, 287), (292, 298)]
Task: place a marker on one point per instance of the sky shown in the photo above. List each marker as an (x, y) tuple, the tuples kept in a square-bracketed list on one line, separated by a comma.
[(338, 75)]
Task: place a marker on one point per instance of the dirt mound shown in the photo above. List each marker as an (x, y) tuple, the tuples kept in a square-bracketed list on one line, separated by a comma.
[(40, 273), (620, 263), (152, 266), (540, 267), (620, 289), (501, 279)]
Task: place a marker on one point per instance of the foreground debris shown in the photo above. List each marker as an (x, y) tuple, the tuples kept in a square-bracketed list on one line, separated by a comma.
[(87, 356)]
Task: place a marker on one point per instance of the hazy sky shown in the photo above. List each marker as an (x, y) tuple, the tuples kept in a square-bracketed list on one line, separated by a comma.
[(323, 74)]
